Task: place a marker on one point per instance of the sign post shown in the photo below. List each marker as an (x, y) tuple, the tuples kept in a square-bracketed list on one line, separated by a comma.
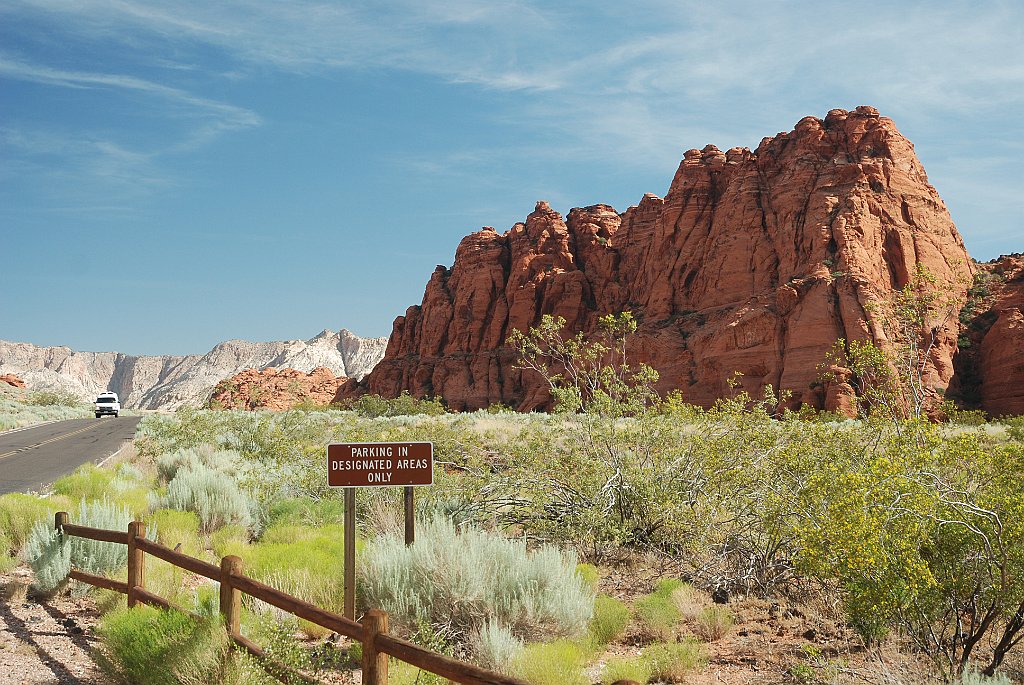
[(376, 464)]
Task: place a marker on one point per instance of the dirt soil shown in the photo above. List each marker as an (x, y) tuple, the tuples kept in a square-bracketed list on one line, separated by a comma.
[(45, 642)]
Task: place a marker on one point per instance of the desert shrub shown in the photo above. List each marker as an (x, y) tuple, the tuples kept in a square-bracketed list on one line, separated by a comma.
[(52, 554), (54, 398), (962, 417), (460, 579), (552, 663), (972, 677), (17, 410), (151, 646), (626, 668), (656, 613), (713, 622), (223, 461), (1014, 427), (372, 406), (920, 536), (671, 662), (611, 616), (496, 648), (211, 494), (278, 636)]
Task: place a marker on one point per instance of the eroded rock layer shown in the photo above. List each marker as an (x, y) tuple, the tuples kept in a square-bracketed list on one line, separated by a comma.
[(755, 261), (276, 389)]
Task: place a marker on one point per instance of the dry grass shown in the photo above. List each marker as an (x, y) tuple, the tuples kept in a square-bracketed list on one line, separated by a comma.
[(690, 602), (714, 622)]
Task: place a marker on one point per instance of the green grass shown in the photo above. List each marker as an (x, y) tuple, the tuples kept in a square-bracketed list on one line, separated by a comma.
[(19, 513), (672, 661), (229, 539), (88, 482), (302, 561), (305, 511), (626, 668), (179, 527), (148, 646), (8, 556), (590, 575), (552, 663), (611, 616), (656, 613)]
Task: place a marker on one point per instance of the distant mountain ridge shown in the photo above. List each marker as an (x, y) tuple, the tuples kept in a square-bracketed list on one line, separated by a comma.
[(173, 381)]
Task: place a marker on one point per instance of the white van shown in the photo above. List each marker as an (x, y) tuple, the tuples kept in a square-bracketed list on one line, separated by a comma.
[(107, 403)]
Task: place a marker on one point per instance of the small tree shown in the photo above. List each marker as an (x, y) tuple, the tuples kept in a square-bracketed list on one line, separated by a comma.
[(588, 375)]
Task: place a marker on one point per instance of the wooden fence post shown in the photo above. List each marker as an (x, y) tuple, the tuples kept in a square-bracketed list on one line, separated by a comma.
[(230, 596), (59, 519), (375, 664), (136, 561)]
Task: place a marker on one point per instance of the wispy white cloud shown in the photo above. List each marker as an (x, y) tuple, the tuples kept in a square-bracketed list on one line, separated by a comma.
[(228, 116), (76, 163)]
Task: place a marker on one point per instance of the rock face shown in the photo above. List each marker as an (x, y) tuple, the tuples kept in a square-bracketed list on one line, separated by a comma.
[(755, 261), (275, 389), (12, 380), (169, 382), (1000, 351)]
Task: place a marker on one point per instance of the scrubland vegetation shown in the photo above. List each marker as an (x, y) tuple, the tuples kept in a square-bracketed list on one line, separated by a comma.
[(907, 534), (913, 531), (24, 408)]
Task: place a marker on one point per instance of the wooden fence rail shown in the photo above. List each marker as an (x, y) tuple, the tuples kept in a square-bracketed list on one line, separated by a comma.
[(371, 632)]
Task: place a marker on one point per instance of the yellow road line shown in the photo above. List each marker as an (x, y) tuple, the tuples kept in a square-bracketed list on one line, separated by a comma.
[(46, 442)]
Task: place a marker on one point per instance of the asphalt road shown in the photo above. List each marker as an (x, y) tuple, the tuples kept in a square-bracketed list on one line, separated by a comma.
[(32, 458)]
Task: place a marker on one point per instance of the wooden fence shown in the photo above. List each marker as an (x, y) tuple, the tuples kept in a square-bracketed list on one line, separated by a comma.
[(372, 631)]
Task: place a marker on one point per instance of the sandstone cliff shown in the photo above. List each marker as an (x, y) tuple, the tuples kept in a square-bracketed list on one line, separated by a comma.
[(275, 389), (990, 363), (169, 382), (755, 261)]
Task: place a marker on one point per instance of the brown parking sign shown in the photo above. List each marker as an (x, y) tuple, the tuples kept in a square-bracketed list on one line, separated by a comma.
[(380, 464)]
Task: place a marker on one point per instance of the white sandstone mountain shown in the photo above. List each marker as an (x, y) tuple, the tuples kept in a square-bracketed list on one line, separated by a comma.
[(169, 382)]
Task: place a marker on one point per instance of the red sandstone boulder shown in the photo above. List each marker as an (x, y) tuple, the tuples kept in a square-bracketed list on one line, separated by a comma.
[(12, 380), (276, 389), (755, 261)]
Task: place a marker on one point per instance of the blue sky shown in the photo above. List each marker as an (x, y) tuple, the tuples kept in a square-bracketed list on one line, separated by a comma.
[(177, 174)]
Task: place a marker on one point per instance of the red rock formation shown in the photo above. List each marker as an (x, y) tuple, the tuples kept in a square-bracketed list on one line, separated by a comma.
[(1001, 346), (755, 261), (275, 389), (12, 380)]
